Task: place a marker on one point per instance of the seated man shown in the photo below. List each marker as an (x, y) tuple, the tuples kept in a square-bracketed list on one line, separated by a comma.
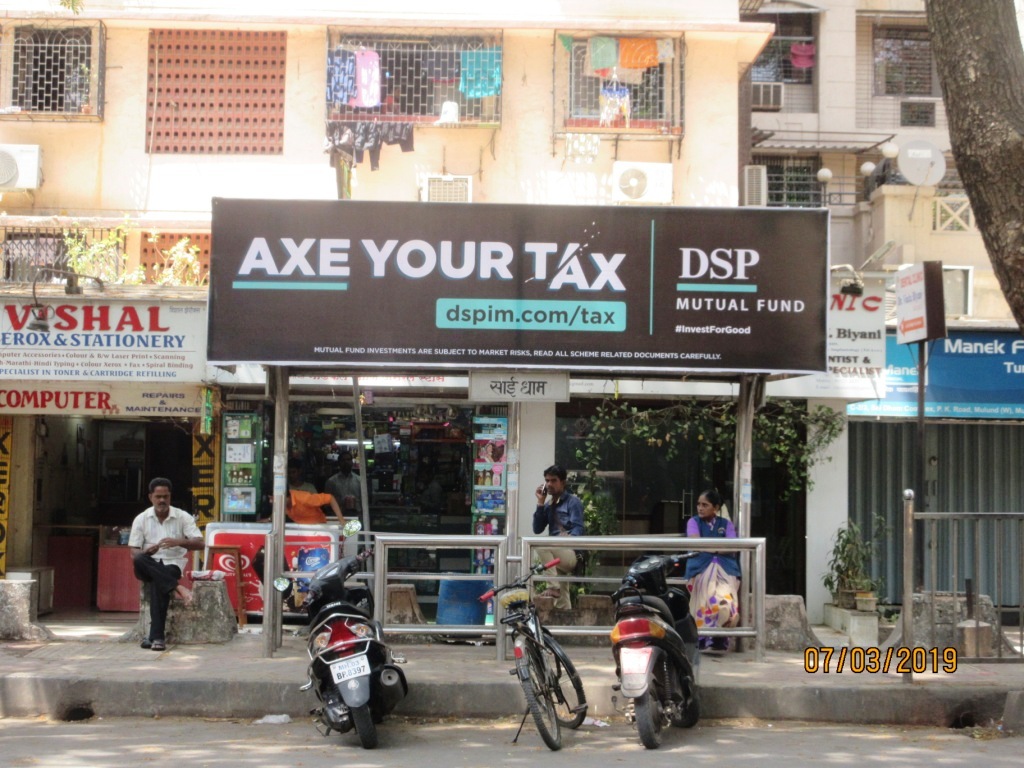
[(561, 512), (304, 507), (159, 543)]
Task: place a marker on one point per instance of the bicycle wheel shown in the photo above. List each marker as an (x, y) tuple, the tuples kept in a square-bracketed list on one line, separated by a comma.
[(570, 700), (534, 676)]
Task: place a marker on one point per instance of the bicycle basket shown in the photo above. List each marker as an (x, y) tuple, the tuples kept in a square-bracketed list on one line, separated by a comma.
[(515, 596)]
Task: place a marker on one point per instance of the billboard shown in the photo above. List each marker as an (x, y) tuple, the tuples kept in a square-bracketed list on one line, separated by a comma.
[(583, 288)]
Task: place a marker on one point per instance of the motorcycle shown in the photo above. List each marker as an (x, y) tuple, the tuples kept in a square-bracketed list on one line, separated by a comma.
[(654, 642), (351, 670)]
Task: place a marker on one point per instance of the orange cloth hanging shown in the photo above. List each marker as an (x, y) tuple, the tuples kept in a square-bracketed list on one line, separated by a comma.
[(638, 52)]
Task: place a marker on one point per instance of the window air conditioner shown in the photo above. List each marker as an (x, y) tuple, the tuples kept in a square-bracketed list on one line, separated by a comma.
[(766, 97), (755, 185), (447, 189), (20, 166), (641, 183)]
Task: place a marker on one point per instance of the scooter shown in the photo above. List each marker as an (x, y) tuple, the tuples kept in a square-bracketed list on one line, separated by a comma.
[(352, 670), (654, 642)]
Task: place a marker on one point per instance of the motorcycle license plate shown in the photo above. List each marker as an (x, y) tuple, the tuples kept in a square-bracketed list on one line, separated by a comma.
[(346, 669), (634, 660)]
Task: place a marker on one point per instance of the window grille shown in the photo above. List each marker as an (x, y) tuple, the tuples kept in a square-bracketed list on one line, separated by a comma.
[(215, 92), (903, 62), (28, 253), (626, 99), (792, 181), (784, 59), (426, 80), (917, 114), (51, 72)]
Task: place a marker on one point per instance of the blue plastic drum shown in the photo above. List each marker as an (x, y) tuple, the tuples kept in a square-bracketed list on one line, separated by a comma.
[(458, 602)]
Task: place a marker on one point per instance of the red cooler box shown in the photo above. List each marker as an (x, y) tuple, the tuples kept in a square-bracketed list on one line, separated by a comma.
[(306, 548)]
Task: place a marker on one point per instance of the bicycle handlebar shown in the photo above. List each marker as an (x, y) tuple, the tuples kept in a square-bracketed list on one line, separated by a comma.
[(521, 581)]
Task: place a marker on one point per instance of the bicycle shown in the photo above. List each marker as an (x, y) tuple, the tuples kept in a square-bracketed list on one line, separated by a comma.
[(553, 688)]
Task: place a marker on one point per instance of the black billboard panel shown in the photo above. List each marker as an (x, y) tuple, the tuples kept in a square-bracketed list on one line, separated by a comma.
[(595, 288)]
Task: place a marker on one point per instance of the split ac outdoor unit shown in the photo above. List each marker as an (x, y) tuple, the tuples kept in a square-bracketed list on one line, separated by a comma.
[(20, 166), (641, 183), (766, 97), (447, 189), (755, 185)]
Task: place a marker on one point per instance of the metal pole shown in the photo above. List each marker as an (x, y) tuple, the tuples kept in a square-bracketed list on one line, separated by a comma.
[(364, 497), (907, 614), (272, 638), (919, 471)]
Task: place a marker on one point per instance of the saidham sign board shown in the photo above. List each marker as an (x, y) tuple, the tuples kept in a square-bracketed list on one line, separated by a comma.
[(105, 340), (442, 285)]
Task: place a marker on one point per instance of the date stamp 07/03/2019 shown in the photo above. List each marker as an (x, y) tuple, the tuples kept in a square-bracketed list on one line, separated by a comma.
[(898, 660)]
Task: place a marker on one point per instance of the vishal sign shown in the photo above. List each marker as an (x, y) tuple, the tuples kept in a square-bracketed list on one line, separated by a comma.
[(402, 285)]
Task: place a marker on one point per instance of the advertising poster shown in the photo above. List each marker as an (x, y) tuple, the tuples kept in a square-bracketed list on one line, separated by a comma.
[(601, 288), (490, 450), (240, 467)]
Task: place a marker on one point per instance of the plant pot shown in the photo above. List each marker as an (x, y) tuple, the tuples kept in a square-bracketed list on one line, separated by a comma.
[(867, 604), (846, 598)]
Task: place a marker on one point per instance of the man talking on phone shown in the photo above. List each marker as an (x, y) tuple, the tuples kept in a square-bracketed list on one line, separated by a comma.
[(561, 512)]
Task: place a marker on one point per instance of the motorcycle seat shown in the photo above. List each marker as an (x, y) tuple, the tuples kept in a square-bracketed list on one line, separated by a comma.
[(643, 603)]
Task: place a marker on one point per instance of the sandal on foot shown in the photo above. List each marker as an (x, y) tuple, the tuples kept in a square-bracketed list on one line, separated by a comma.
[(158, 645), (146, 643)]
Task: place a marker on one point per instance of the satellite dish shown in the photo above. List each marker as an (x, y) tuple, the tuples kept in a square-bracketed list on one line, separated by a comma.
[(633, 183), (921, 163)]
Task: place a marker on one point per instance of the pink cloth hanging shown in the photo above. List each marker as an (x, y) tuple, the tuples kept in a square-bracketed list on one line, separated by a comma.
[(802, 55)]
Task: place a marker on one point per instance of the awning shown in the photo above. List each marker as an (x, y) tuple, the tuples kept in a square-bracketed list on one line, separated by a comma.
[(789, 141), (789, 6)]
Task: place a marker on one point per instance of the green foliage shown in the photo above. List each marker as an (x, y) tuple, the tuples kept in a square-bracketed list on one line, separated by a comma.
[(181, 265), (104, 258), (793, 436), (850, 559), (75, 6)]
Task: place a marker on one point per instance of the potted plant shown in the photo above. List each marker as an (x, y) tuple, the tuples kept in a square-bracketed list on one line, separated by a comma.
[(848, 566)]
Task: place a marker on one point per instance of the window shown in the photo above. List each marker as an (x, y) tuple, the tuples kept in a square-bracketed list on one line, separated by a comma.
[(428, 80), (903, 62), (790, 55), (792, 181), (630, 98), (215, 92), (54, 71)]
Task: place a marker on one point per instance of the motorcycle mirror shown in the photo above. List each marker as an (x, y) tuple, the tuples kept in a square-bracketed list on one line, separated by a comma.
[(281, 583), (352, 527)]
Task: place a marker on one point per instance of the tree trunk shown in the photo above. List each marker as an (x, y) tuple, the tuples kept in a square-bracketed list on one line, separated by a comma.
[(980, 61)]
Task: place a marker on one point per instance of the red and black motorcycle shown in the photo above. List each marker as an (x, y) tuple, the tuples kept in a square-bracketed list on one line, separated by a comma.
[(654, 641), (352, 670)]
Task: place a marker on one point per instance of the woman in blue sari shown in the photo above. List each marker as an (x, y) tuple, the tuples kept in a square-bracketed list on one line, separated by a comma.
[(714, 576)]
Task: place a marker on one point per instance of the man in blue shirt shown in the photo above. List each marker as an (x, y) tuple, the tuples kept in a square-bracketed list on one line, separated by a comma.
[(561, 512)]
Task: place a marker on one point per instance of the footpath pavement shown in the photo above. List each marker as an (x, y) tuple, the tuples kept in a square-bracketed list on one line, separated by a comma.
[(79, 675)]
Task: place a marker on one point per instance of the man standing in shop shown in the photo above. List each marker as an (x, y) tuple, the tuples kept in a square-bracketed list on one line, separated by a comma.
[(159, 543), (344, 486), (561, 512)]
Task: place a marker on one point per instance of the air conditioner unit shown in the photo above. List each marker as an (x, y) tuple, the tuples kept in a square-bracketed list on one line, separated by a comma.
[(755, 185), (20, 166), (447, 189), (641, 183), (766, 97)]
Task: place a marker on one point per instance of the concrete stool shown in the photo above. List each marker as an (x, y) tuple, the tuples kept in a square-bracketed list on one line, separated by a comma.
[(402, 605), (209, 618)]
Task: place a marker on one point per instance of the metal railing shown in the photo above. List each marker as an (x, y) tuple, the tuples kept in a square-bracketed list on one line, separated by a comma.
[(754, 612), (979, 552)]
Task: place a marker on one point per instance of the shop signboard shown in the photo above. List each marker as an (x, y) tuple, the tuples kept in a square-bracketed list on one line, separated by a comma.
[(969, 376), (511, 387), (856, 346), (88, 398), (90, 339), (457, 286)]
